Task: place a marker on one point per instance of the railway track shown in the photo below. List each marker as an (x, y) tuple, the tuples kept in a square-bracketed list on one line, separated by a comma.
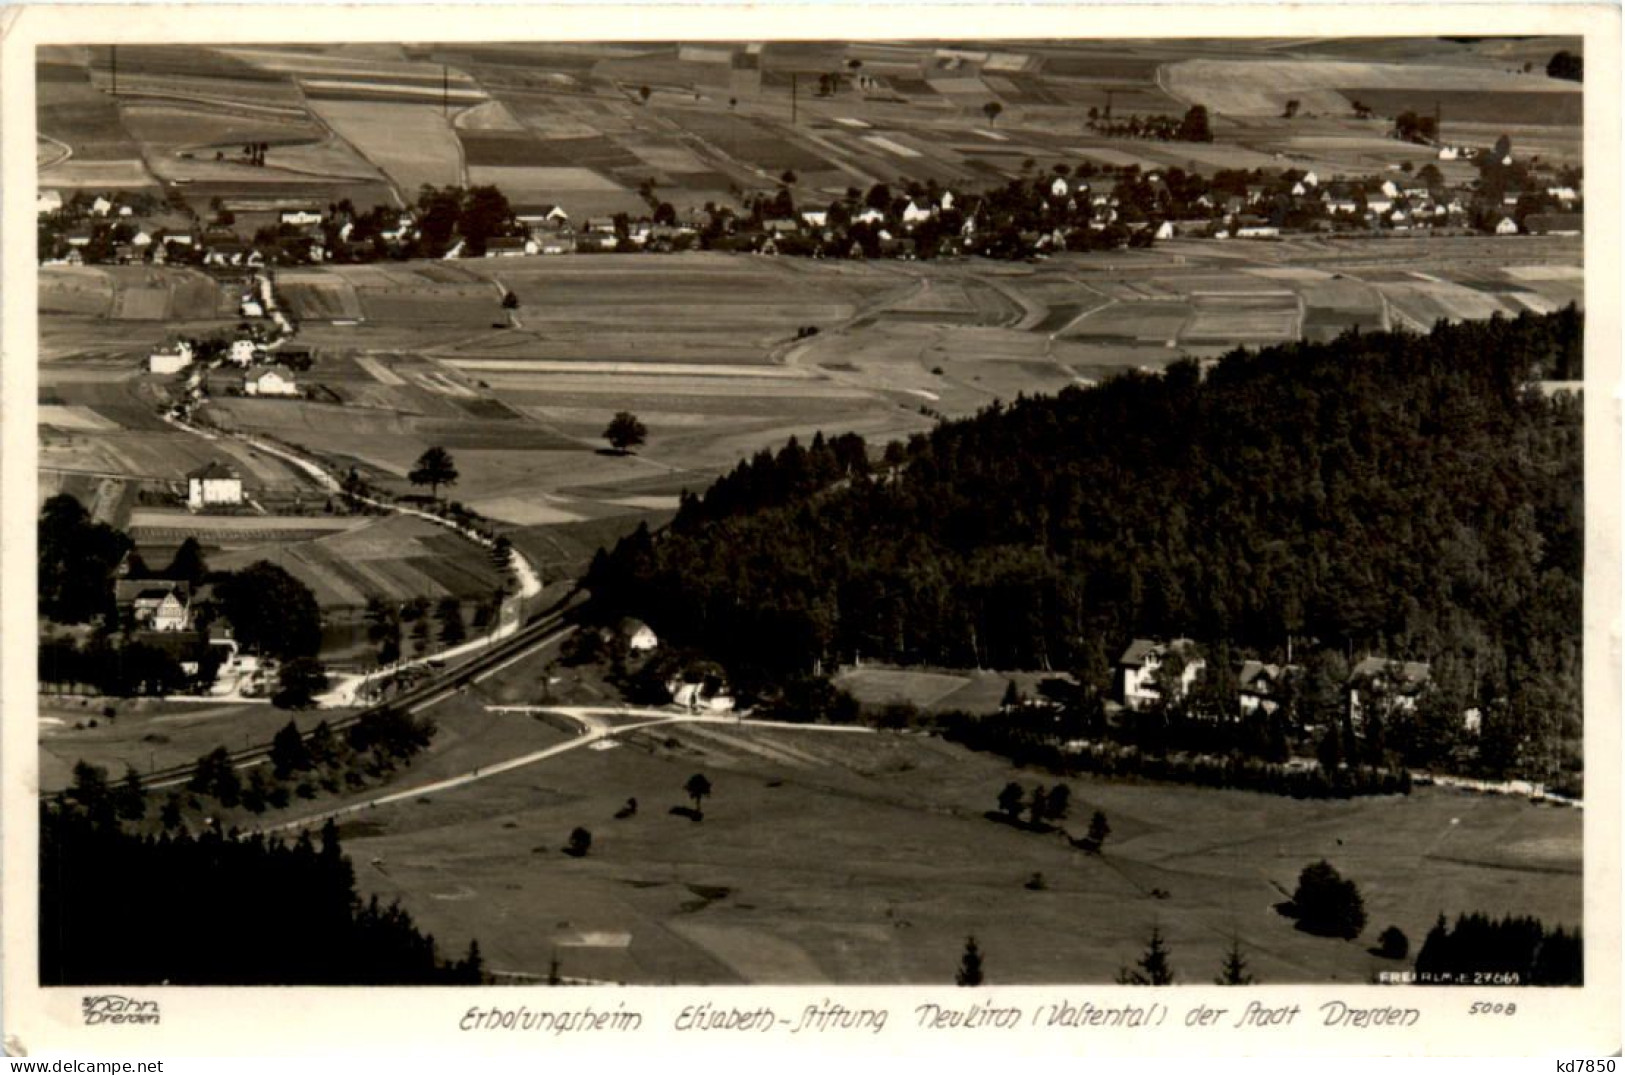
[(422, 696)]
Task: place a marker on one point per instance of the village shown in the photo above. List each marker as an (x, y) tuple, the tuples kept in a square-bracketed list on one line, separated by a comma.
[(1046, 211)]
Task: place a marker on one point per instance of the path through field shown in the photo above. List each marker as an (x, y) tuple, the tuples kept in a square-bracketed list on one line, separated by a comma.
[(595, 727)]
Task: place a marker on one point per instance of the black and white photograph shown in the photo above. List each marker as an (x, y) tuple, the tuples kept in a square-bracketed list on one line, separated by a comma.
[(817, 511)]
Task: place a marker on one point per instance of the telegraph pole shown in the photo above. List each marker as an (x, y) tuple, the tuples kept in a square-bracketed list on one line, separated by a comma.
[(793, 100), (445, 90), (112, 53)]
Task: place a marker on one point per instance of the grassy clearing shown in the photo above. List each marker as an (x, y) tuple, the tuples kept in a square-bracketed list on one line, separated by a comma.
[(867, 860)]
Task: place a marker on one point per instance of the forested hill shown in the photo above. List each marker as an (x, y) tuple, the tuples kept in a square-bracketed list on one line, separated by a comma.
[(1406, 494)]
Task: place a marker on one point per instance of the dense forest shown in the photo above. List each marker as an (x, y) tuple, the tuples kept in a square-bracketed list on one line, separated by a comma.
[(121, 908), (1409, 495), (1479, 950)]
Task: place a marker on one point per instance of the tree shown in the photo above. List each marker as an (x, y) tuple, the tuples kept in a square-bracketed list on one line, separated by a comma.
[(992, 111), (271, 611), (288, 753), (1326, 904), (1234, 970), (1393, 944), (130, 800), (970, 965), (434, 468), (1194, 127), (625, 432), (1038, 806), (580, 842), (1291, 109), (298, 683), (1058, 803), (510, 301), (1099, 829), (698, 788), (450, 614), (1153, 967), (644, 93), (188, 563), (1010, 800)]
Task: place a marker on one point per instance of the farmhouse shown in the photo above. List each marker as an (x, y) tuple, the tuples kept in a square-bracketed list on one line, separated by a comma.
[(155, 604), (49, 201), (548, 217), (1385, 685), (299, 217), (101, 206), (1142, 662), (277, 380), (1506, 226), (170, 361), (213, 485), (241, 352)]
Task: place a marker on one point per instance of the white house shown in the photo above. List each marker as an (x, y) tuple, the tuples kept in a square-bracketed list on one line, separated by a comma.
[(101, 206), (1310, 179), (299, 217), (1449, 153), (917, 211), (1058, 188), (1562, 194), (869, 216), (250, 307), (947, 200), (49, 201), (275, 380), (1257, 231), (1142, 661), (1165, 230), (1390, 685), (1260, 686), (170, 361), (1506, 226), (157, 604), (640, 637), (213, 485), (1379, 205), (815, 218), (242, 352)]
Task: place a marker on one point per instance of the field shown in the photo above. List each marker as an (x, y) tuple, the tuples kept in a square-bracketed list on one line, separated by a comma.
[(880, 862), (411, 143)]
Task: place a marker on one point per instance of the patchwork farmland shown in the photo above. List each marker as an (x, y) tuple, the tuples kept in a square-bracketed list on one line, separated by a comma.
[(822, 855)]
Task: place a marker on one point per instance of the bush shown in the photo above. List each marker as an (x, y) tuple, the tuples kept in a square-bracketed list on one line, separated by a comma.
[(1326, 904), (1393, 944)]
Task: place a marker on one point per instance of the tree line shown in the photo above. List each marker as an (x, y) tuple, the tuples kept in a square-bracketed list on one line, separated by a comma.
[(217, 909), (1402, 494)]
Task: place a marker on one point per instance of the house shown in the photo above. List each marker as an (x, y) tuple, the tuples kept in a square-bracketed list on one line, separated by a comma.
[(1390, 188), (917, 211), (1555, 224), (80, 237), (1256, 228), (546, 217), (300, 217), (1385, 686), (170, 361), (49, 201), (1058, 188), (1562, 194), (157, 604), (1165, 230), (1261, 686), (1449, 153), (1380, 205), (556, 244), (250, 307), (1506, 226), (213, 485), (640, 637), (101, 206), (1144, 659), (870, 215), (1310, 179), (815, 218), (277, 380), (1342, 205), (781, 226), (242, 352)]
